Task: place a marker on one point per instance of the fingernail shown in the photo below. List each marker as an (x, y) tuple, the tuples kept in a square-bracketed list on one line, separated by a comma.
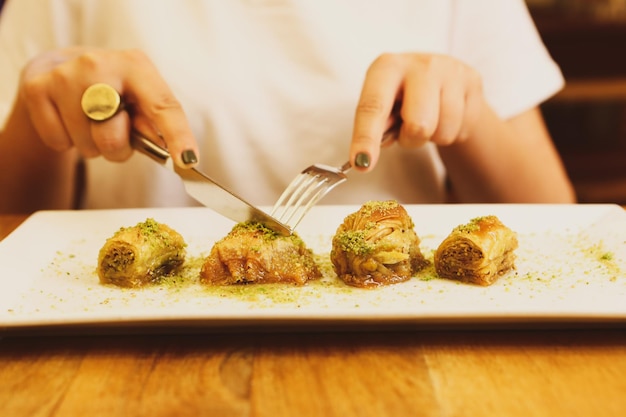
[(189, 157), (362, 160)]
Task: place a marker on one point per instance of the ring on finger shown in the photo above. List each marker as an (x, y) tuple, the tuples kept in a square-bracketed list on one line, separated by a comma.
[(100, 102)]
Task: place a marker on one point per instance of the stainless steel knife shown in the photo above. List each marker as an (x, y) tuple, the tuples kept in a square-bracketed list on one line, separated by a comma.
[(208, 192)]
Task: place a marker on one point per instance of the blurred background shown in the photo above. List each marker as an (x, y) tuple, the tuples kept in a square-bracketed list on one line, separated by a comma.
[(587, 120)]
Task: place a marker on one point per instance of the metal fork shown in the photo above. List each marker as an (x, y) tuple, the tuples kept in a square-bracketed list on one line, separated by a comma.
[(312, 184)]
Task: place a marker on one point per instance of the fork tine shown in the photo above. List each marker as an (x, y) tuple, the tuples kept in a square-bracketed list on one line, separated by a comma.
[(304, 208), (302, 194), (312, 184), (294, 189), (300, 202)]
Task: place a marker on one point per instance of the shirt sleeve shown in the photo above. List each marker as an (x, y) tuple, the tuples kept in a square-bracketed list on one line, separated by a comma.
[(499, 39)]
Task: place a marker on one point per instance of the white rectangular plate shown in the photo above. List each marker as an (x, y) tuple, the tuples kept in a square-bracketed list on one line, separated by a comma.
[(570, 269)]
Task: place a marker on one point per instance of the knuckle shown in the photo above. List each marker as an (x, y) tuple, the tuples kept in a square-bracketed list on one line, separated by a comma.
[(112, 147), (472, 113), (463, 136), (426, 62), (135, 56), (111, 138), (91, 61), (411, 142), (56, 143), (386, 61), (33, 88), (110, 144), (119, 156), (61, 78), (371, 105), (95, 58), (418, 130), (361, 139), (475, 80), (98, 61), (165, 103), (445, 137)]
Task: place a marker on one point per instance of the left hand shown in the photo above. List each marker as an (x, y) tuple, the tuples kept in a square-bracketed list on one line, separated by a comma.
[(438, 98)]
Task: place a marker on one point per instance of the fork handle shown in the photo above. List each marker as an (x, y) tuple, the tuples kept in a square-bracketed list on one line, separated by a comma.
[(389, 135)]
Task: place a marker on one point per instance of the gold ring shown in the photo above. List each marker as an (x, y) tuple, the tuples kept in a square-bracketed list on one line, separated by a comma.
[(100, 102)]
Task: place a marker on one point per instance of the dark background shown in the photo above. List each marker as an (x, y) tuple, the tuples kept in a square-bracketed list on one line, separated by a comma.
[(587, 120)]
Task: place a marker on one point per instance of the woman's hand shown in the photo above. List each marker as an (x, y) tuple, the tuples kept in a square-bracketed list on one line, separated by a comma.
[(52, 85), (438, 98)]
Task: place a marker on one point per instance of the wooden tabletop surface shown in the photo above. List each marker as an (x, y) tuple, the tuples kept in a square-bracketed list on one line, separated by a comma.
[(437, 372)]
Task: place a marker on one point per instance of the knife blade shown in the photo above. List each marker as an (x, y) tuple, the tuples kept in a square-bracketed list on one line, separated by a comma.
[(206, 190)]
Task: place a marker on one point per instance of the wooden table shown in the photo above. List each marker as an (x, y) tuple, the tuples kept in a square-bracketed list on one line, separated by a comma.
[(441, 373)]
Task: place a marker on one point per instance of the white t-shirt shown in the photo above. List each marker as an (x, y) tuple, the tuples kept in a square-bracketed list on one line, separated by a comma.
[(271, 86)]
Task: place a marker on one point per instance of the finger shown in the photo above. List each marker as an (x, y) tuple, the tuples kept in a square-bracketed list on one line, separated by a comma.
[(77, 125), (382, 85), (474, 102), (108, 128), (50, 85), (452, 111), (111, 137), (44, 116), (420, 106), (152, 100)]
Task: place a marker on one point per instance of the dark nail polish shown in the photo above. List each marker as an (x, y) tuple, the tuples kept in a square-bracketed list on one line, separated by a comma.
[(362, 160), (189, 157)]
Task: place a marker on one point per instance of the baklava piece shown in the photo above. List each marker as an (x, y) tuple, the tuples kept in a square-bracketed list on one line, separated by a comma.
[(377, 245), (140, 255), (252, 253), (477, 252)]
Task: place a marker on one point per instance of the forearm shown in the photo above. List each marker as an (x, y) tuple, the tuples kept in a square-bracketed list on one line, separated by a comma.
[(33, 176), (507, 162)]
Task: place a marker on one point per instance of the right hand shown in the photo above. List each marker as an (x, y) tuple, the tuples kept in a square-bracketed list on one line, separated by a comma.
[(438, 98), (52, 85)]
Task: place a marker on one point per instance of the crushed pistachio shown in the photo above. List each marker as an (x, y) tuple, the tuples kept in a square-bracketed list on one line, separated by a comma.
[(251, 226), (607, 256), (265, 232), (148, 227), (354, 241), (383, 206), (473, 225)]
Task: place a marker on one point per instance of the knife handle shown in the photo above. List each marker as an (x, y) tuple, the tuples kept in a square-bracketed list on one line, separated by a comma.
[(149, 148)]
